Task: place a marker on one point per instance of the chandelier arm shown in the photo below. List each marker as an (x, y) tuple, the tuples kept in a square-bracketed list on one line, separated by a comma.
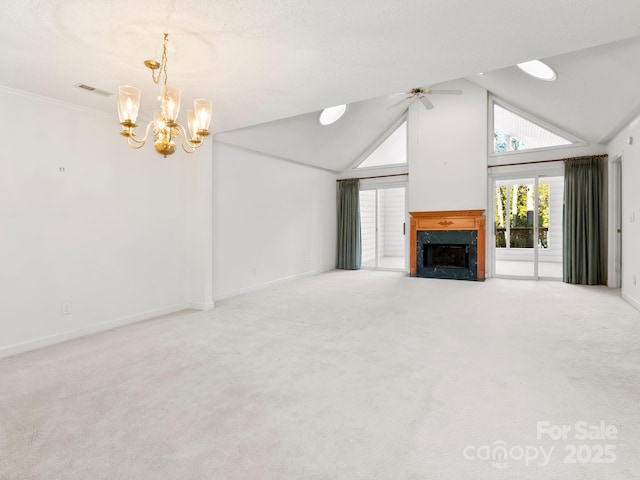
[(185, 140), (139, 143), (136, 146)]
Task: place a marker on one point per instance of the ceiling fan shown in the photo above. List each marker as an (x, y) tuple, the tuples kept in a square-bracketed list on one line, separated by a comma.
[(422, 94)]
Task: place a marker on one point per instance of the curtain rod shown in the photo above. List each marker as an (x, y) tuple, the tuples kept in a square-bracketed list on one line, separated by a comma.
[(378, 176), (604, 155)]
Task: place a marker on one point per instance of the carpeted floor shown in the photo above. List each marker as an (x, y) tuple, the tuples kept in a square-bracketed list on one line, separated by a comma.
[(346, 375)]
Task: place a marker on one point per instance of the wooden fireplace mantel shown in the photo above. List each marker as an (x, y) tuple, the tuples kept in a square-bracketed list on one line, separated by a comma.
[(449, 220)]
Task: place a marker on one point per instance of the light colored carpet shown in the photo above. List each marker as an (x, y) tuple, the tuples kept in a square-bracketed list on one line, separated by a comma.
[(346, 375)]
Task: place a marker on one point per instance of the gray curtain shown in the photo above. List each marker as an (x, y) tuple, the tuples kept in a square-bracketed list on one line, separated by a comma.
[(584, 244), (349, 242)]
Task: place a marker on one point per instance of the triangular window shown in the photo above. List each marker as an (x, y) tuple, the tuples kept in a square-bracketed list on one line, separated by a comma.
[(514, 130), (392, 151)]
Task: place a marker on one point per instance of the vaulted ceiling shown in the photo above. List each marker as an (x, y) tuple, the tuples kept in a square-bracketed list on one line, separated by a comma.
[(595, 94), (267, 60)]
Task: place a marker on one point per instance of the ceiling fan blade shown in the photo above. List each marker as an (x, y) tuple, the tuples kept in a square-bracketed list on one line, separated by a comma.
[(427, 104), (448, 92)]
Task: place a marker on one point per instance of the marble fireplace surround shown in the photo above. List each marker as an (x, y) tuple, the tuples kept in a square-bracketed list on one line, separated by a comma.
[(451, 221)]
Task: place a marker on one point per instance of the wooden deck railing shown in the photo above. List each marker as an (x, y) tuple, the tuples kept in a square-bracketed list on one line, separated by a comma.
[(522, 237)]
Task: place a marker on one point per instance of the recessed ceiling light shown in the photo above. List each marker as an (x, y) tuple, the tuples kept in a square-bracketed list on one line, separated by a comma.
[(332, 114), (539, 70)]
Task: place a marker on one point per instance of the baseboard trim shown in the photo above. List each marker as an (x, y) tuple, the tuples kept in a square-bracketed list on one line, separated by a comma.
[(202, 306), (631, 301), (29, 345), (260, 286)]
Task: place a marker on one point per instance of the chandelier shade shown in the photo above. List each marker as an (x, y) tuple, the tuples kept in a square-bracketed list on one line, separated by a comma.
[(164, 126), (128, 104), (202, 110), (170, 101), (192, 122)]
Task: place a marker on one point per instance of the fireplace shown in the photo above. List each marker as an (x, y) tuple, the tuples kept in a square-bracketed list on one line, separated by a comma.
[(448, 244)]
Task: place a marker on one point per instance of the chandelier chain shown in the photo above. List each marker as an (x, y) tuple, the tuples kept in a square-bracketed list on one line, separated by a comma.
[(164, 57), (162, 71)]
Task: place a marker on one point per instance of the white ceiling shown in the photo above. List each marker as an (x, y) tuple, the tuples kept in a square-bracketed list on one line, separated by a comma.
[(264, 60)]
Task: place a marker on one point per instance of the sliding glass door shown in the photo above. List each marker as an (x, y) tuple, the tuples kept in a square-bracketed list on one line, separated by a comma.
[(528, 227), (382, 217)]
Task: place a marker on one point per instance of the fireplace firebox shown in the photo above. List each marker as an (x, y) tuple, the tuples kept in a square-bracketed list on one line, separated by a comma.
[(446, 256)]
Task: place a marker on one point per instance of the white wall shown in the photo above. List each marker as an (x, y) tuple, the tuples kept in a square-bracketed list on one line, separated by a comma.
[(448, 151), (630, 209), (273, 220), (109, 235)]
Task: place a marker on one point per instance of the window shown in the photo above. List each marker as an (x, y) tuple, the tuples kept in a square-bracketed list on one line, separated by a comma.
[(514, 131), (382, 223), (392, 151), (528, 226)]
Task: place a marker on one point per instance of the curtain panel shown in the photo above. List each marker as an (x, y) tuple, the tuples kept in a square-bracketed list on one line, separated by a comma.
[(584, 246), (349, 238)]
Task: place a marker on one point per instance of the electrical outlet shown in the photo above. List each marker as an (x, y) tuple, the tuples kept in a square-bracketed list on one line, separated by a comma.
[(66, 308)]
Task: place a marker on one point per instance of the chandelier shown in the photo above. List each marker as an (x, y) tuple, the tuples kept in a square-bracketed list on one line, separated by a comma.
[(164, 126)]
